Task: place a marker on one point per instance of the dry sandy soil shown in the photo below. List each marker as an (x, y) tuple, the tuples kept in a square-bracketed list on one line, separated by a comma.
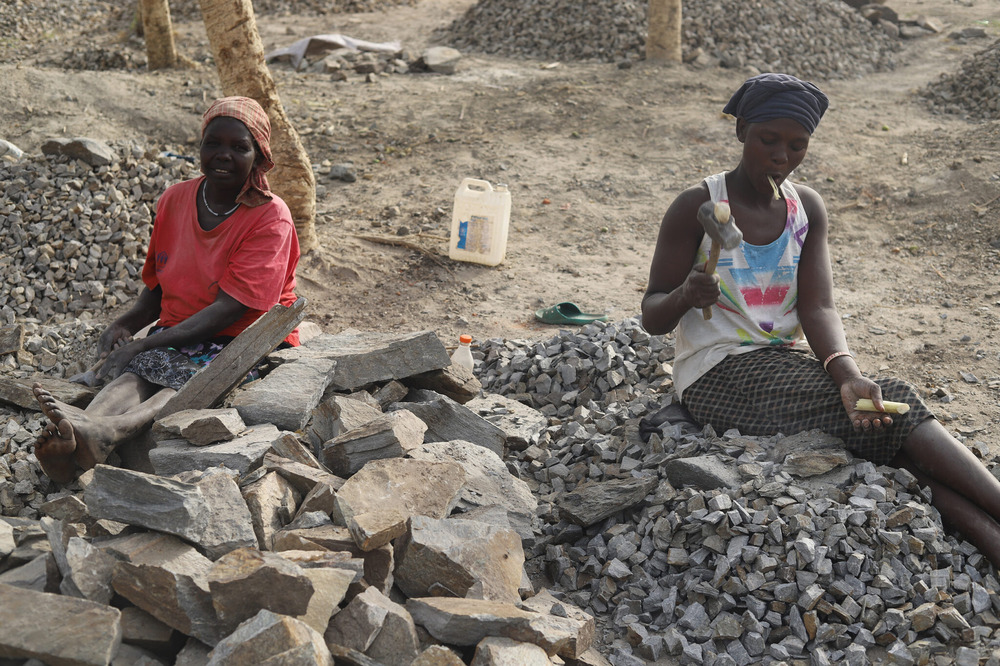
[(593, 154)]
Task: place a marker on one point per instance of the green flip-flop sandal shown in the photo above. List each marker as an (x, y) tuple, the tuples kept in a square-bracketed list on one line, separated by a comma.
[(567, 313)]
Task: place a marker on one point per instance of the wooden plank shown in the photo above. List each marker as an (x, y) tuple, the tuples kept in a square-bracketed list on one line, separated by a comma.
[(213, 382)]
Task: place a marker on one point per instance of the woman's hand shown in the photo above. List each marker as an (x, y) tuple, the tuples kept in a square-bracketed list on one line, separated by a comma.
[(701, 290), (115, 362), (862, 387), (114, 336)]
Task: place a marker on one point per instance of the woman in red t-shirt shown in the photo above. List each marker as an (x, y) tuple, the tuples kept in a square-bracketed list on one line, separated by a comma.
[(222, 252)]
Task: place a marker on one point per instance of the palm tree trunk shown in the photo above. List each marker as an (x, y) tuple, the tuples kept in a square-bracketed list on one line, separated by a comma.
[(239, 58), (159, 33), (663, 41)]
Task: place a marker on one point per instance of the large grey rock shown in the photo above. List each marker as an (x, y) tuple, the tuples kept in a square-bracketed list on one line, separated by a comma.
[(88, 572), (376, 502), (520, 423), (494, 651), (247, 580), (31, 576), (704, 472), (57, 630), (287, 396), (272, 639), (373, 624), (455, 381), (447, 421), (592, 503), (272, 502), (388, 436), (200, 426), (209, 511), (241, 454), (583, 639), (460, 558), (168, 579), (93, 152), (488, 482), (142, 629), (468, 621), (303, 477), (366, 358), (441, 59), (339, 414)]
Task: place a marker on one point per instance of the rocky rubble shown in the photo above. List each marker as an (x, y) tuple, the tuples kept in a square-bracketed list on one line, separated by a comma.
[(821, 39), (693, 546), (231, 541), (726, 549), (74, 226), (973, 91)]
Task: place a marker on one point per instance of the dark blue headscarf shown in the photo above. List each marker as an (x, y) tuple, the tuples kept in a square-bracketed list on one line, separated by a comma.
[(770, 96)]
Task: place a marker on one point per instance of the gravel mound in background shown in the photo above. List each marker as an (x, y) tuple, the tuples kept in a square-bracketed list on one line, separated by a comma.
[(821, 39), (972, 91)]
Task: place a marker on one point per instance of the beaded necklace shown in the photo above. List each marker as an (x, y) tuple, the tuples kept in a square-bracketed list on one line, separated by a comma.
[(204, 200)]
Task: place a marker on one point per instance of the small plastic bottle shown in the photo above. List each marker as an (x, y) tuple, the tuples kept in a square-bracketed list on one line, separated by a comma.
[(463, 355)]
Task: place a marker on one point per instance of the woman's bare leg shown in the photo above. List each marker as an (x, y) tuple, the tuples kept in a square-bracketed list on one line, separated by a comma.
[(86, 438), (959, 513), (943, 458)]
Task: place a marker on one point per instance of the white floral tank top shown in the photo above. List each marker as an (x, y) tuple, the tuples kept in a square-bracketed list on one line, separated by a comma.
[(759, 293)]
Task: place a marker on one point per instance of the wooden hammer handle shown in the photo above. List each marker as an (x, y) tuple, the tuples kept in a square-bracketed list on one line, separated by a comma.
[(713, 260)]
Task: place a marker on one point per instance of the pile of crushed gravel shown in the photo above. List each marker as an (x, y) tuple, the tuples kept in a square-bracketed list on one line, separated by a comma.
[(73, 236), (973, 91), (722, 548), (817, 39), (191, 9)]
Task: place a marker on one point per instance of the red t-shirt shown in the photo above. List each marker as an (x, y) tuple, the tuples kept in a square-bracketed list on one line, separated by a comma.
[(251, 256)]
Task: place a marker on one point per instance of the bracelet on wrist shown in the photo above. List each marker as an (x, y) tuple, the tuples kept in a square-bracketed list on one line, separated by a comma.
[(834, 355)]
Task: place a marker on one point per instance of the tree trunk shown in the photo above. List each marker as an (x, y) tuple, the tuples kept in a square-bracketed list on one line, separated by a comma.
[(663, 41), (239, 58), (159, 33)]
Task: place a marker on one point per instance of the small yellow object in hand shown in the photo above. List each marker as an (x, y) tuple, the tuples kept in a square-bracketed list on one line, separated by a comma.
[(777, 194), (866, 405)]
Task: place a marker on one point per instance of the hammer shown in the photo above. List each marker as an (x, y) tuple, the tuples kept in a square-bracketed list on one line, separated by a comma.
[(718, 222), (88, 378)]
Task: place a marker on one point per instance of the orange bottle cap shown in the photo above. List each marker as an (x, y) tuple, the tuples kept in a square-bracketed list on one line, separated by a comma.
[(465, 339)]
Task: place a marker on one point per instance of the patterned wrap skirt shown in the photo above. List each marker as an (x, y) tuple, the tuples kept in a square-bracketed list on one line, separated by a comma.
[(781, 390), (172, 368)]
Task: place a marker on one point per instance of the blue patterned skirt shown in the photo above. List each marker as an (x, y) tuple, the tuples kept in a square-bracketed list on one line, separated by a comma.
[(172, 367)]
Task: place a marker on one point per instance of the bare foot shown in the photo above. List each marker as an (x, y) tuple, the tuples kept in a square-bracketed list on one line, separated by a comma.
[(72, 431), (55, 452)]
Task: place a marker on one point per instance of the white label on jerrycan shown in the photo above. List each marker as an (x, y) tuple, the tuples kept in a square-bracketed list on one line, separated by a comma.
[(479, 223)]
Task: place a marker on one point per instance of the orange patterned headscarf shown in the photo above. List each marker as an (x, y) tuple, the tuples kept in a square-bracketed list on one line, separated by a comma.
[(255, 191)]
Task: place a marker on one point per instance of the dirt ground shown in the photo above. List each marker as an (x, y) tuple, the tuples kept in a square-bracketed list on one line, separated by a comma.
[(593, 154)]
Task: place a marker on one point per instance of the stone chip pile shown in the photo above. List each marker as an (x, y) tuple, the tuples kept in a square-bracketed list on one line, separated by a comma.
[(972, 91), (74, 226), (821, 39), (729, 549)]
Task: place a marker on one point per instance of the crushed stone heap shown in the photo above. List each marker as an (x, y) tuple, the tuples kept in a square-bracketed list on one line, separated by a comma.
[(720, 548), (972, 91), (821, 39), (73, 236)]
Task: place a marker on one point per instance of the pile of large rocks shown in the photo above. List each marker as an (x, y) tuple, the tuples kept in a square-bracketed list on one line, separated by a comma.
[(822, 39), (343, 509), (973, 91)]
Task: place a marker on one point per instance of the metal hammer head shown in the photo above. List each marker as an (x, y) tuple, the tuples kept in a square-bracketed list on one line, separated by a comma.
[(719, 224)]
